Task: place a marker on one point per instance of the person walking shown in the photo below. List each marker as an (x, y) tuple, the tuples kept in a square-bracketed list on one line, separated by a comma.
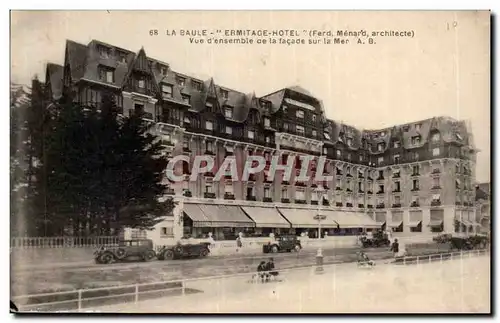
[(395, 248)]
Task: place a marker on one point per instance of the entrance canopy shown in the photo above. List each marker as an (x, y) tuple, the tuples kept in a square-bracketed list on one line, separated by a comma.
[(266, 217), (306, 218), (217, 216)]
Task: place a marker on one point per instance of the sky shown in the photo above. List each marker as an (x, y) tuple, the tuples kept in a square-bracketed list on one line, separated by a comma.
[(444, 70)]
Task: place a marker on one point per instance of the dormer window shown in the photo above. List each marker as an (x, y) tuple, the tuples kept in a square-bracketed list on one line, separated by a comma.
[(208, 106), (382, 134), (268, 140), (417, 126), (267, 122), (106, 74), (229, 130), (415, 140), (299, 114), (104, 51), (313, 118), (122, 57), (349, 142), (163, 71), (186, 99), (196, 85), (228, 112), (187, 120), (285, 126), (180, 80), (166, 90), (397, 144), (380, 147), (314, 133), (435, 137), (224, 94), (141, 83)]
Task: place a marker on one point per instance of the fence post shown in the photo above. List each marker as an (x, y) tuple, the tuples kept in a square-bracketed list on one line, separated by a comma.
[(136, 293), (441, 258), (417, 260), (451, 255), (183, 287), (79, 300), (404, 260)]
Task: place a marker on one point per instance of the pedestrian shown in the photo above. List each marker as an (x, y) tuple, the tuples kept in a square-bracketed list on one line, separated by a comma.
[(239, 244), (395, 248)]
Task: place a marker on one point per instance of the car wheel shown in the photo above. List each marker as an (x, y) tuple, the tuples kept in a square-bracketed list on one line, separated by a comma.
[(274, 249), (204, 253), (168, 255), (107, 258), (297, 248), (149, 255)]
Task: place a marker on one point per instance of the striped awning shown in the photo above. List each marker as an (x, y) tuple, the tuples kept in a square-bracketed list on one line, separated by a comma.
[(217, 216), (464, 221), (414, 224), (435, 223), (394, 224), (266, 217), (352, 220), (306, 218)]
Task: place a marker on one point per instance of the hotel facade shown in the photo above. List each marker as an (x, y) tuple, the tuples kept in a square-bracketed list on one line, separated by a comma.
[(413, 178)]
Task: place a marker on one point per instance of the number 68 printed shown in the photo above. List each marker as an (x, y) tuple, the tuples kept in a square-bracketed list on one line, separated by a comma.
[(153, 32)]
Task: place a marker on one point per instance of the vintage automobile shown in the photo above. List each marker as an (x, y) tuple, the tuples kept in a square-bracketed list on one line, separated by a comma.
[(138, 248), (443, 238), (379, 239), (285, 243), (178, 251)]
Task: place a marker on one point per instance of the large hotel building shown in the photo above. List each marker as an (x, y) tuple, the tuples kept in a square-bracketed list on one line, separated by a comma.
[(411, 178)]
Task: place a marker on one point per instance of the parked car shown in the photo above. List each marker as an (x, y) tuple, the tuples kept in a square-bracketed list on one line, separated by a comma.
[(183, 251), (379, 239), (139, 248), (443, 238), (285, 243)]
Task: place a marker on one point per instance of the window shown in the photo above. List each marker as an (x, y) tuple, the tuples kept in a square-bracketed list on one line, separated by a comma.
[(285, 108), (435, 152), (300, 195), (209, 188), (417, 126), (414, 184), (167, 232), (163, 70), (299, 114), (349, 142), (397, 199), (300, 130), (251, 134), (104, 51), (339, 153), (268, 140), (106, 75), (285, 126), (224, 94), (166, 90), (208, 106), (141, 84), (267, 192), (180, 80), (228, 112), (435, 182), (314, 133), (435, 137), (397, 186), (196, 85), (209, 125), (396, 159), (187, 120), (415, 140), (349, 156), (185, 143), (228, 189), (415, 170), (327, 135), (339, 182), (209, 146), (267, 122), (250, 191), (186, 99), (380, 160), (122, 57), (325, 151), (229, 130), (313, 118), (284, 193), (397, 144), (380, 147), (360, 158)]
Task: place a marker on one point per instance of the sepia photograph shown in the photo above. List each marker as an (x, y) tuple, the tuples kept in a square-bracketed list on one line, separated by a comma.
[(250, 162)]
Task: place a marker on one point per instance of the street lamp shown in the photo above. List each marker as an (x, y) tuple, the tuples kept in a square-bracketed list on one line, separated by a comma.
[(319, 217)]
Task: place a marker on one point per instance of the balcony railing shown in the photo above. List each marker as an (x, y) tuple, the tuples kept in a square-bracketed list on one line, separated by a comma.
[(458, 203), (186, 149), (360, 190), (208, 195), (436, 171), (396, 205), (369, 206), (169, 191), (397, 190), (436, 187), (314, 202), (228, 196), (415, 204), (348, 204), (326, 203), (300, 184), (187, 193), (285, 183), (285, 200), (338, 203), (380, 192), (435, 203), (300, 201), (415, 189), (209, 152), (415, 174), (348, 190), (369, 192), (267, 199), (396, 175), (380, 206), (251, 198), (361, 206), (380, 178), (338, 188)]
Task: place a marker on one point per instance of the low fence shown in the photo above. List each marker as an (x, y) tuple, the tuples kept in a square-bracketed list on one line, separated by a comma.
[(63, 242), (87, 298)]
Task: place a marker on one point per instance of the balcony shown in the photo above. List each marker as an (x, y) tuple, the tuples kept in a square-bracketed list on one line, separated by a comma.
[(415, 189), (209, 174), (314, 185), (458, 203), (380, 178), (208, 195), (300, 201), (369, 206), (348, 190), (361, 206), (338, 203), (268, 179), (361, 176), (435, 203), (348, 204), (436, 171), (414, 204), (302, 184), (338, 188), (396, 205), (360, 190), (380, 192), (285, 200), (267, 199), (436, 187), (348, 175), (398, 190), (228, 196), (396, 175), (314, 202), (326, 203), (187, 193), (285, 183), (415, 174), (380, 206)]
